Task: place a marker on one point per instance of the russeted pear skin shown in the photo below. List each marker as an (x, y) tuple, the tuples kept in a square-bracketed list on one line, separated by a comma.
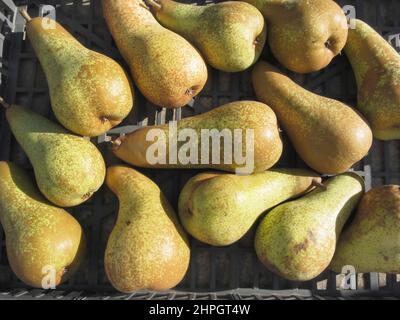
[(147, 248), (219, 208), (376, 65), (371, 243), (68, 168), (304, 35), (246, 116), (90, 93), (166, 68), (40, 238), (328, 135), (297, 240), (230, 35)]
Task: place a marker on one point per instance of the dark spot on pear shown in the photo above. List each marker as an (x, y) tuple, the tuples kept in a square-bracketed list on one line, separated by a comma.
[(301, 246), (104, 119), (87, 195)]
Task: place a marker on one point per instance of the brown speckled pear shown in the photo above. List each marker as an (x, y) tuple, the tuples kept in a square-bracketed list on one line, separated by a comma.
[(147, 248), (328, 135), (43, 242), (230, 35), (371, 243), (68, 168), (166, 68), (90, 93), (304, 35), (256, 124), (376, 65), (297, 239), (219, 208)]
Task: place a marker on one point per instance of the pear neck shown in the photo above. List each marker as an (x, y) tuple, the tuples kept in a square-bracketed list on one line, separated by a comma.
[(54, 46), (179, 16), (343, 191), (367, 50)]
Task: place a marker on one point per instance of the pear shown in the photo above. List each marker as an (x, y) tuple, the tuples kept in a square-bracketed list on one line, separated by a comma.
[(219, 208), (304, 36), (247, 128), (297, 239), (90, 93), (45, 244), (376, 65), (230, 35), (68, 168), (147, 248), (372, 241), (327, 134), (166, 68)]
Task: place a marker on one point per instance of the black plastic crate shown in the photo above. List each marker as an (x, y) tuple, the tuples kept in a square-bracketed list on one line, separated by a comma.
[(232, 272)]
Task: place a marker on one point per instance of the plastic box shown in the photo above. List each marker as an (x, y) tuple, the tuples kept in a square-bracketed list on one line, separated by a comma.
[(232, 272)]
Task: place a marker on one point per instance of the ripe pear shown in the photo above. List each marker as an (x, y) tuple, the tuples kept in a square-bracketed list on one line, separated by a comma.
[(230, 35), (166, 68), (44, 243), (248, 128), (304, 36), (68, 168), (219, 208), (327, 134), (90, 93), (297, 239), (372, 241), (147, 248), (376, 65)]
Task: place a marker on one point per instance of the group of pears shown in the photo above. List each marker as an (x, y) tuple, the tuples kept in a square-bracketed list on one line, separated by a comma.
[(167, 45)]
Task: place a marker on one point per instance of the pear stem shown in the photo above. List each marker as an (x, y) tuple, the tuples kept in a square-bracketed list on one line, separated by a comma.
[(154, 5), (3, 103), (25, 14), (319, 185), (116, 143)]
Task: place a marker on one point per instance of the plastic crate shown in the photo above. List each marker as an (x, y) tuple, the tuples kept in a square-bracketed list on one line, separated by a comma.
[(232, 272)]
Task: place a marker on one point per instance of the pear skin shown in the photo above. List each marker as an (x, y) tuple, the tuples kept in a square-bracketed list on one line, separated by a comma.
[(328, 135), (371, 243), (376, 65), (219, 208), (304, 36), (256, 122), (41, 240), (90, 93), (166, 68), (297, 239), (230, 35), (147, 248), (68, 168)]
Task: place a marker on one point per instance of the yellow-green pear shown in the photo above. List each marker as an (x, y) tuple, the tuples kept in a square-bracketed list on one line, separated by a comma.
[(45, 244), (371, 243), (376, 65), (328, 135), (230, 35), (304, 35), (241, 136), (297, 239), (147, 248), (90, 93), (219, 208), (69, 169), (166, 68)]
